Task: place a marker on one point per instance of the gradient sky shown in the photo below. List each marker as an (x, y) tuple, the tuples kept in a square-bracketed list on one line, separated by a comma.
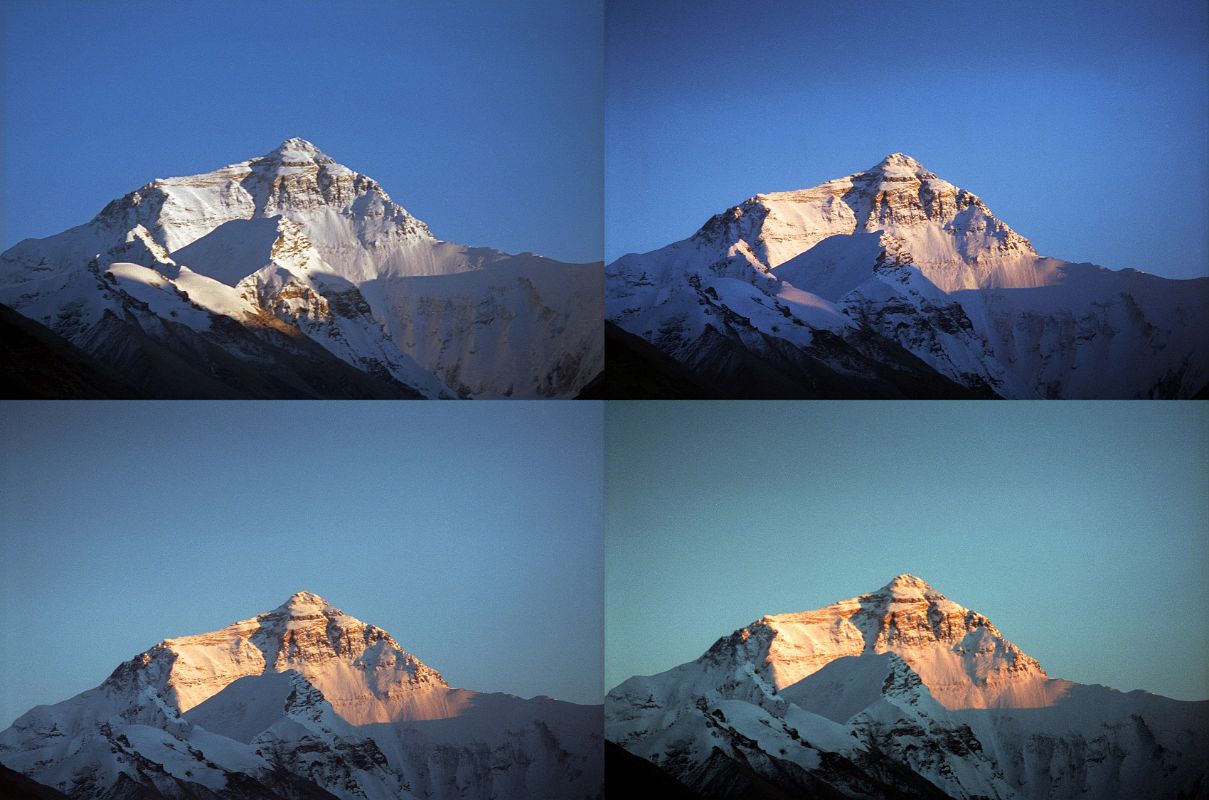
[(1084, 125), (470, 531), (484, 119), (1081, 529)]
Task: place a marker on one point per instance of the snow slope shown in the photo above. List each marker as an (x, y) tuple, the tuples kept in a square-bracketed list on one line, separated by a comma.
[(296, 241), (303, 700), (902, 692), (899, 253)]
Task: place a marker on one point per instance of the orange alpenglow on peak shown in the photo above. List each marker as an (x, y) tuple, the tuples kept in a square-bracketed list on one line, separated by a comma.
[(306, 605)]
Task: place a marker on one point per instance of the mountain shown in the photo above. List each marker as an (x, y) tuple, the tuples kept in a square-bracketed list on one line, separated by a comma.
[(893, 282), (290, 275), (901, 693), (303, 701)]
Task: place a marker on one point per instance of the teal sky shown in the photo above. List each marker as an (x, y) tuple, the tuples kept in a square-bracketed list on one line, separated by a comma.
[(1080, 529), (469, 531)]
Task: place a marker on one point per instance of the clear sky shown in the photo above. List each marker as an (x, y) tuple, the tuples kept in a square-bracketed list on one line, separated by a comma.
[(484, 119), (1084, 125), (471, 532), (1080, 529)]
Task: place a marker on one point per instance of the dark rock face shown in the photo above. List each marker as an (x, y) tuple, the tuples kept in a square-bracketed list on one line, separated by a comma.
[(634, 368), (38, 364), (17, 786)]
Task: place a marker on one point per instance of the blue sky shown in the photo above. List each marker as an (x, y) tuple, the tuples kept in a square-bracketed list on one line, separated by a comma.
[(1081, 529), (471, 532), (1083, 125), (484, 119)]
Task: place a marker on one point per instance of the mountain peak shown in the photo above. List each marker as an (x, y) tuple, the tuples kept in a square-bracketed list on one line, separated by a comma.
[(296, 153), (308, 601), (900, 161), (940, 639), (305, 633), (297, 142), (905, 584), (296, 147)]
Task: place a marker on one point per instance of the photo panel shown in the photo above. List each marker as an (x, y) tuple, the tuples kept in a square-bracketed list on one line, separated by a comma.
[(906, 599), (907, 201), (265, 600), (314, 201)]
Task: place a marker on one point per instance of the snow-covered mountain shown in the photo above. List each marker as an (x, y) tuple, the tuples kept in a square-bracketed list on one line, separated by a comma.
[(273, 276), (304, 701), (868, 284), (901, 692)]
